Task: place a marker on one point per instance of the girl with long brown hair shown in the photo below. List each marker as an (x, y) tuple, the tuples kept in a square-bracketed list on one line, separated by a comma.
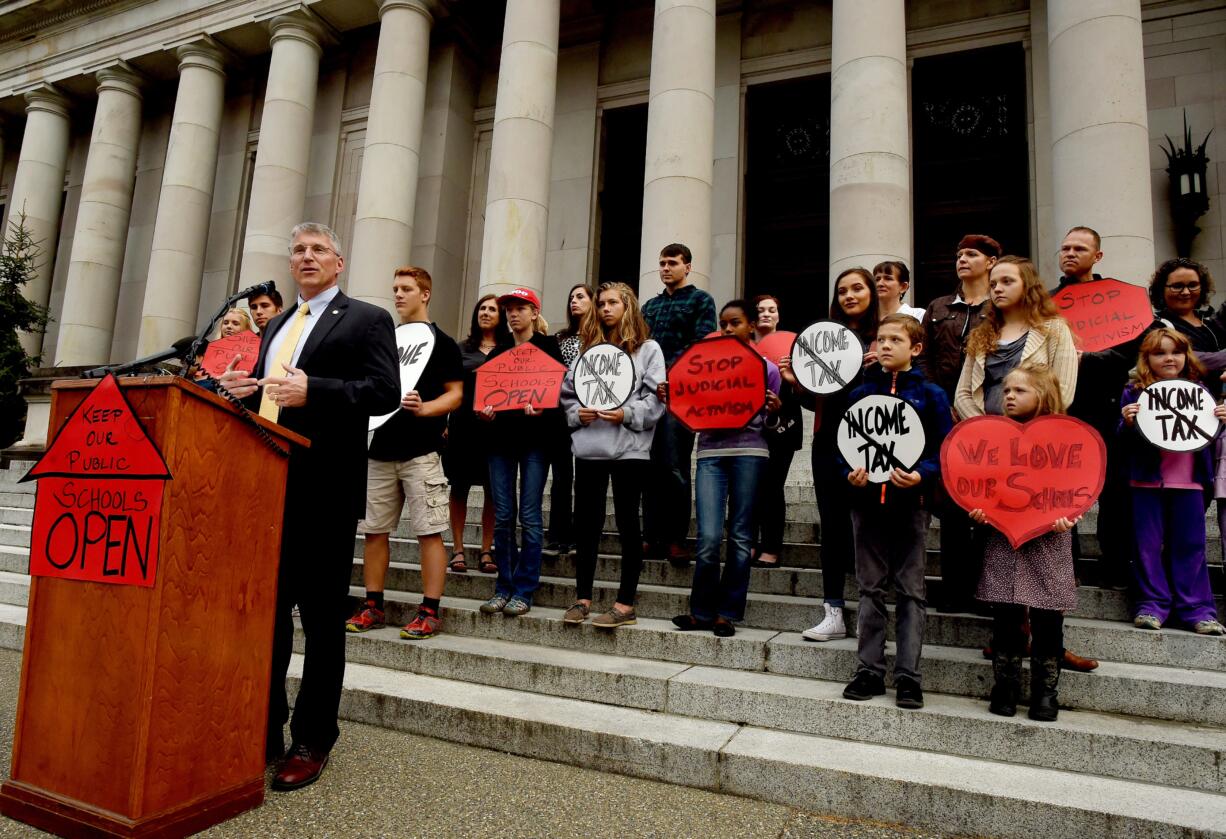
[(1022, 325), (613, 445)]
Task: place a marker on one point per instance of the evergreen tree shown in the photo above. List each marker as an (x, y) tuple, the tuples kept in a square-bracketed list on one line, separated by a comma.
[(19, 255)]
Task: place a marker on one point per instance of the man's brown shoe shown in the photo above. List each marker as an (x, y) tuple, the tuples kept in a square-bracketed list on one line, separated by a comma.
[(302, 767), (1072, 661)]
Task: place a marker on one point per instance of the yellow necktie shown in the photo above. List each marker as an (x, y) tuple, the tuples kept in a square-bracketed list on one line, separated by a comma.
[(269, 410)]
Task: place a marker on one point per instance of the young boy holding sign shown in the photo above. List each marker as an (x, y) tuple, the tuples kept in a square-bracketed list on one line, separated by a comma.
[(890, 522), (1170, 493)]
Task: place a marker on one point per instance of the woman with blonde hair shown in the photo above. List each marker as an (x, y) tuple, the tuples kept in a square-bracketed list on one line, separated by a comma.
[(233, 322), (1022, 325), (613, 445)]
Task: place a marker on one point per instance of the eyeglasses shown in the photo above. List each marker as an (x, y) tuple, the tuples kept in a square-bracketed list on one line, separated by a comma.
[(299, 251), (1184, 288)]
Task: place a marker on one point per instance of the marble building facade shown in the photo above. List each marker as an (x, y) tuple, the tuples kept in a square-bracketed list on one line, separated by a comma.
[(162, 149)]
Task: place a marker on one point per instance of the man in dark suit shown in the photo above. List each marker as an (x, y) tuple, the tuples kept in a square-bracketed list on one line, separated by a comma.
[(326, 365)]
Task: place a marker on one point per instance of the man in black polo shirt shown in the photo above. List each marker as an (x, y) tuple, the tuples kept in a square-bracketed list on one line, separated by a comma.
[(405, 464)]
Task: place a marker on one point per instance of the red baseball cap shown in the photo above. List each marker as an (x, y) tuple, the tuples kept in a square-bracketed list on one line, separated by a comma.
[(520, 295)]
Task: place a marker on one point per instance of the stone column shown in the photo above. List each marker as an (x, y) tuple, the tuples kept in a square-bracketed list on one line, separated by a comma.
[(279, 180), (387, 193), (181, 229), (680, 139), (91, 290), (517, 202), (870, 158), (1100, 131), (38, 189)]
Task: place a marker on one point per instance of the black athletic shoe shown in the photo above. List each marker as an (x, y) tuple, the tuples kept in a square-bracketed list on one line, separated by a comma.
[(864, 686), (908, 693)]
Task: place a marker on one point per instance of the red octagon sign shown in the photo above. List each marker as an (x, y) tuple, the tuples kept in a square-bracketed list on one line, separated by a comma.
[(717, 384)]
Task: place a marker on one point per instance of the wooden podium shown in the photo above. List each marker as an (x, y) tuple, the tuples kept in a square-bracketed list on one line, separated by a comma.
[(143, 709)]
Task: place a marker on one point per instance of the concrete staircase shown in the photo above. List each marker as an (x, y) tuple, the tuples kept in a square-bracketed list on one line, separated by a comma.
[(762, 714)]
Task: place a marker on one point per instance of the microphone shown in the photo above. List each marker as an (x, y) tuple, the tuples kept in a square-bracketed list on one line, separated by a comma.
[(256, 290), (177, 350)]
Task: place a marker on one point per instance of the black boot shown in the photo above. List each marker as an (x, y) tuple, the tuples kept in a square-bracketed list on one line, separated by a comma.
[(1008, 672), (1044, 679)]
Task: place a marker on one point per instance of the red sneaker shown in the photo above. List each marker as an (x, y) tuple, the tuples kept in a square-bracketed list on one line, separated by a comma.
[(425, 624), (366, 618)]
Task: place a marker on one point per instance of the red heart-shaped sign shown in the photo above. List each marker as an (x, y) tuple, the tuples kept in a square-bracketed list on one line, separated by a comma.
[(1024, 476)]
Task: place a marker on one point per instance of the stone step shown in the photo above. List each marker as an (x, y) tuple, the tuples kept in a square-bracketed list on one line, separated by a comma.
[(14, 588), (1152, 691), (15, 559), (12, 626), (1117, 641), (1093, 602), (842, 777), (1170, 753)]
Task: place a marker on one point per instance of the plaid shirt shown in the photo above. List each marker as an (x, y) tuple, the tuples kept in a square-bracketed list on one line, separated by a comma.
[(679, 319)]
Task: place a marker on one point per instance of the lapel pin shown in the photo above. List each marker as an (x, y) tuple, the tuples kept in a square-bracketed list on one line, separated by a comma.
[(336, 311)]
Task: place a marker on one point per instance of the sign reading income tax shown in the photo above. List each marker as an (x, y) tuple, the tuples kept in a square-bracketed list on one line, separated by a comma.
[(1177, 415), (881, 433), (717, 384), (1104, 313), (99, 499), (518, 377), (604, 377), (414, 346), (222, 351), (826, 356), (1024, 476)]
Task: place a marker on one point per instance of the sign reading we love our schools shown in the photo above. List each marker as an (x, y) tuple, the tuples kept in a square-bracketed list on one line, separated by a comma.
[(1024, 476)]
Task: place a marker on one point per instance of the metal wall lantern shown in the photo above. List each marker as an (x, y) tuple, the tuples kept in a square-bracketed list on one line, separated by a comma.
[(1187, 169)]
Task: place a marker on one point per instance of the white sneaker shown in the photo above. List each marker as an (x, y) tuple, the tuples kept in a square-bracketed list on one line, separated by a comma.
[(830, 628)]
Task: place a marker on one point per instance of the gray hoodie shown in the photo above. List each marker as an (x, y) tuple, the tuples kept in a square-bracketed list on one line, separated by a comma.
[(631, 440)]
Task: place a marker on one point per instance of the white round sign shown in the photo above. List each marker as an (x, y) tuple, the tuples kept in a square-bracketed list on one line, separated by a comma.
[(826, 356), (1177, 415), (604, 377), (414, 344), (880, 433)]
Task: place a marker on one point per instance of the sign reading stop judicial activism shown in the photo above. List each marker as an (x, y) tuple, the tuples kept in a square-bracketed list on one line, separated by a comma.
[(518, 377), (826, 356), (1177, 415), (222, 351), (1104, 313), (718, 384), (604, 377), (98, 505), (414, 346), (1024, 476), (879, 434)]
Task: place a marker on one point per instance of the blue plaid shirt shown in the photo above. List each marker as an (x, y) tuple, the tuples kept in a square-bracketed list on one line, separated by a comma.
[(679, 319)]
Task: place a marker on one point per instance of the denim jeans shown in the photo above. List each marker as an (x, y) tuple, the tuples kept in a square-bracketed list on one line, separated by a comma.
[(519, 567), (724, 483), (666, 497), (890, 549)]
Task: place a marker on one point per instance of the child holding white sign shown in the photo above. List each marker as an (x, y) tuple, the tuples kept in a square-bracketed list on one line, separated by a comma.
[(1170, 493), (612, 444), (889, 521), (1038, 575)]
